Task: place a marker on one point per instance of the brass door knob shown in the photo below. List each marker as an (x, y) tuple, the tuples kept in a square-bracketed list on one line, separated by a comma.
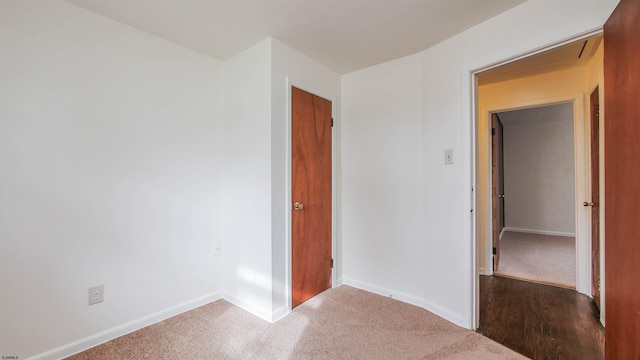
[(297, 206)]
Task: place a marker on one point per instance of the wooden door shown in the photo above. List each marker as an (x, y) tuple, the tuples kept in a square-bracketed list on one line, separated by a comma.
[(311, 261), (497, 174), (622, 180), (595, 196)]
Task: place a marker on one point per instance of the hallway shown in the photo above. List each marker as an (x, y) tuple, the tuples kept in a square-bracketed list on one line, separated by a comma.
[(540, 321)]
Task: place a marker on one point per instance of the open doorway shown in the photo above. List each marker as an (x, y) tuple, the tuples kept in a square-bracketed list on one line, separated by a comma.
[(562, 75), (566, 75), (534, 194)]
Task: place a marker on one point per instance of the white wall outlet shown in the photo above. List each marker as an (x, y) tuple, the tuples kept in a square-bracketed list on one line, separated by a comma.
[(96, 294), (448, 156), (218, 250)]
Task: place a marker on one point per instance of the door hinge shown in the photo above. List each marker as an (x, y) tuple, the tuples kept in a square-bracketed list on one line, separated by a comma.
[(332, 263), (493, 131), (598, 284), (331, 122), (495, 251)]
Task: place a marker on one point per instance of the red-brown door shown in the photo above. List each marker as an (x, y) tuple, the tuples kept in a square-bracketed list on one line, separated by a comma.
[(497, 174), (311, 261), (595, 196), (622, 180)]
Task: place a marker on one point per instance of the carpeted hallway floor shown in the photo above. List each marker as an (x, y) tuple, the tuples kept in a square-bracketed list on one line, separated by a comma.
[(541, 258), (341, 323)]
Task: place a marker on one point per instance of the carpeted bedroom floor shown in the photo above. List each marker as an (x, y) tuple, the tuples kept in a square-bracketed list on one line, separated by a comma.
[(341, 323), (541, 258)]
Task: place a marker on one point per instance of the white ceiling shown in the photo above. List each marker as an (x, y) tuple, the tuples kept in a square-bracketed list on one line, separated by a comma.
[(344, 35)]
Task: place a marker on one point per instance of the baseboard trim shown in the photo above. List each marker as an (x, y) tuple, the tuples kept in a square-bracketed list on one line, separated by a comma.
[(541, 232), (280, 313), (131, 326), (409, 299), (247, 306)]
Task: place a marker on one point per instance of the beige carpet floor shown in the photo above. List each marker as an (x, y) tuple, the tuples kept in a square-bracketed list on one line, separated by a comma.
[(541, 258), (341, 323)]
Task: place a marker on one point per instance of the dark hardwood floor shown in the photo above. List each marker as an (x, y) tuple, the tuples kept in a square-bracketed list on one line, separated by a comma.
[(540, 321)]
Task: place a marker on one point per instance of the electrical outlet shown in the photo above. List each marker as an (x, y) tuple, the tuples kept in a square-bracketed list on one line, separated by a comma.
[(96, 294), (218, 249)]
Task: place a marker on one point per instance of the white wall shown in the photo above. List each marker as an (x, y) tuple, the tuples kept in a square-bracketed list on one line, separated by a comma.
[(247, 180), (136, 158), (442, 118), (257, 170), (382, 174), (292, 68), (110, 158), (539, 172)]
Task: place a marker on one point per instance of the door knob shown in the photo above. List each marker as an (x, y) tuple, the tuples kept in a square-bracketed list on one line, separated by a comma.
[(297, 206), (588, 203)]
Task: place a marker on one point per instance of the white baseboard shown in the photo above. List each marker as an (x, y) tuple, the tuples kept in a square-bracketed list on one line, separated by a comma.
[(501, 233), (110, 334), (541, 232), (280, 313), (410, 299), (263, 314)]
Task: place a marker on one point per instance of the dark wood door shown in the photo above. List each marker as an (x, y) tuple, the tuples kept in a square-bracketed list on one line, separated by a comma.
[(595, 196), (311, 261), (497, 174), (622, 181)]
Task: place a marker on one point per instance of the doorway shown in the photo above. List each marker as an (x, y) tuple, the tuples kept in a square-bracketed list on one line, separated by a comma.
[(548, 77), (540, 78), (513, 88), (534, 148)]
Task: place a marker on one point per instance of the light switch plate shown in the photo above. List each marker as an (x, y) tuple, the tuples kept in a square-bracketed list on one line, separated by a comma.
[(448, 156)]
